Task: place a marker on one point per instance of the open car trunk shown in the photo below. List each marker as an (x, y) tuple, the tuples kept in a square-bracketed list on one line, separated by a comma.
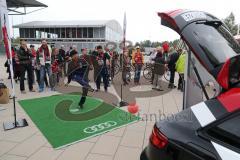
[(210, 46)]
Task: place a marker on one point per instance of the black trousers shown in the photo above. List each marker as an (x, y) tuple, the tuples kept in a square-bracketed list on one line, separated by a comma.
[(23, 69), (84, 88), (84, 95), (181, 82), (172, 76)]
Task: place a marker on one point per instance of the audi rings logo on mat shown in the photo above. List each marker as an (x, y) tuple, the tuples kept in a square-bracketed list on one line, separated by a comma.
[(100, 127)]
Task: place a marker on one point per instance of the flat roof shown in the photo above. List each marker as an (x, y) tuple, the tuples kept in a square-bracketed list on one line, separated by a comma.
[(113, 24), (24, 3), (42, 24)]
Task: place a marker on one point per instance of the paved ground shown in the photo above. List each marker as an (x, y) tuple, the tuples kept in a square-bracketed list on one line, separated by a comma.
[(122, 144)]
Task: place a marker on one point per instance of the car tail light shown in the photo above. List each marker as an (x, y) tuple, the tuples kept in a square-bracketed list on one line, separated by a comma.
[(158, 139)]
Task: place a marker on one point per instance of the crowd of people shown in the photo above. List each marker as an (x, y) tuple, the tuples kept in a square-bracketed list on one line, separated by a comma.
[(161, 61), (46, 65)]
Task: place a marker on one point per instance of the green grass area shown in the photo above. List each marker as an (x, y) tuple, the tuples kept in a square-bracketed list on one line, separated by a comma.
[(60, 121)]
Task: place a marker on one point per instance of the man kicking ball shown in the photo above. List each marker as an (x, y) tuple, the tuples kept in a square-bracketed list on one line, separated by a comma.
[(77, 69)]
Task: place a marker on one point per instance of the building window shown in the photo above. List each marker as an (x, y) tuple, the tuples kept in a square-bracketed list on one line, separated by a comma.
[(74, 32), (69, 32), (63, 33), (79, 32), (90, 32), (51, 32), (26, 33), (96, 32), (22, 32), (39, 33), (85, 30), (57, 32), (102, 32), (32, 33)]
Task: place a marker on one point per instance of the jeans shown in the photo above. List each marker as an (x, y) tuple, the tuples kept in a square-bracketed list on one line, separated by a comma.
[(43, 70), (102, 74), (23, 69), (138, 68), (37, 72), (126, 75), (84, 82)]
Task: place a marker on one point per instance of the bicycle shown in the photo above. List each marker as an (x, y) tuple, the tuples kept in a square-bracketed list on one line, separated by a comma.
[(147, 71), (167, 75)]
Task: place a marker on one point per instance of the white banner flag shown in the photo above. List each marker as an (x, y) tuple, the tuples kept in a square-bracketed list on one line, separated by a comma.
[(5, 37)]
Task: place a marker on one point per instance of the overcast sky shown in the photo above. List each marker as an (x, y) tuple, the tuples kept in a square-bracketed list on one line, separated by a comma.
[(142, 20)]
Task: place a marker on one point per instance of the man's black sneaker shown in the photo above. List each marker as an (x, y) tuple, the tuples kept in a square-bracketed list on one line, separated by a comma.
[(80, 105)]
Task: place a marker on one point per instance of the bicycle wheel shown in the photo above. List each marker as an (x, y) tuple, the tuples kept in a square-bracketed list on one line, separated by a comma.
[(167, 75), (147, 73), (116, 69)]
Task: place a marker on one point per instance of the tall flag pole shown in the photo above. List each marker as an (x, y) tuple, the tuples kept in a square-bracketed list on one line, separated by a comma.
[(124, 31), (123, 103), (5, 32)]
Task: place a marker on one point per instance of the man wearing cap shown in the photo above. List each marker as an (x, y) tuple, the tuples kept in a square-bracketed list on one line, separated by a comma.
[(76, 71), (103, 61), (138, 61)]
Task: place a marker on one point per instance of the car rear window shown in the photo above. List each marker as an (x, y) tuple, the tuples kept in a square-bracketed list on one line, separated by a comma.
[(227, 131)]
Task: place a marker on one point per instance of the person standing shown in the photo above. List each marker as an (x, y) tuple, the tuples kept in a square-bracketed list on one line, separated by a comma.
[(76, 72), (158, 70), (67, 59), (13, 62), (44, 61), (88, 59), (34, 54), (103, 61), (56, 60), (151, 60), (126, 67), (62, 53), (108, 65), (94, 54), (172, 67), (180, 67), (138, 61), (165, 48), (23, 58), (16, 67), (113, 63)]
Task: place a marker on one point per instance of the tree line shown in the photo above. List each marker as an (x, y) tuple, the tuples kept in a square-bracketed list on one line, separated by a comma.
[(229, 21)]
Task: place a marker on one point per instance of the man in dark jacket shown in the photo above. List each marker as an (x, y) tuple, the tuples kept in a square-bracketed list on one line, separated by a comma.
[(171, 66), (158, 70), (23, 58), (76, 71), (103, 62), (62, 53)]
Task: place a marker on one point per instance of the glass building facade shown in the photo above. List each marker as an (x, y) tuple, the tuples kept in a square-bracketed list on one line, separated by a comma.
[(83, 36)]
